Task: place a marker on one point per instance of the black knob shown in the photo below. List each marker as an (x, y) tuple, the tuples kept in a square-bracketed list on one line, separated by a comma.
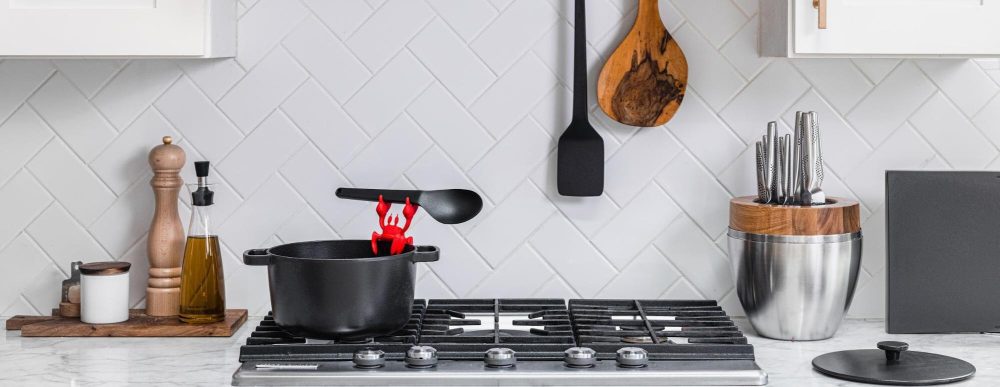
[(892, 350), (201, 168)]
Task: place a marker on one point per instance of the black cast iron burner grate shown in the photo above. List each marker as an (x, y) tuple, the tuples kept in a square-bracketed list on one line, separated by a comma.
[(540, 329)]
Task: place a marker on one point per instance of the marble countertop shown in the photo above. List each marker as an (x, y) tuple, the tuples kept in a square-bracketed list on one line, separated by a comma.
[(211, 361)]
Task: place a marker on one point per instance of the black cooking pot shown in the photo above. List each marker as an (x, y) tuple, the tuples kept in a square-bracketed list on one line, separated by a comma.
[(339, 289)]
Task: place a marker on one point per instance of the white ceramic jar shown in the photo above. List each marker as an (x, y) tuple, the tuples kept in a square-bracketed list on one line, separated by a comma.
[(104, 292)]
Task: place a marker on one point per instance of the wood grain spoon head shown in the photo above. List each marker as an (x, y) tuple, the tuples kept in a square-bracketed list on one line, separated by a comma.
[(643, 82)]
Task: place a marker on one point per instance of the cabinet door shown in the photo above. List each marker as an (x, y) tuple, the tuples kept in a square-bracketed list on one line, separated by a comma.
[(103, 27), (899, 27)]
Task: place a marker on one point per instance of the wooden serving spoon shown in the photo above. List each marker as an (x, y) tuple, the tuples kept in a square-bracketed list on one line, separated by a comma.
[(643, 81)]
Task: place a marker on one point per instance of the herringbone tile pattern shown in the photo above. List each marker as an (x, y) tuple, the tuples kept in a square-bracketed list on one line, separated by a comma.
[(458, 93)]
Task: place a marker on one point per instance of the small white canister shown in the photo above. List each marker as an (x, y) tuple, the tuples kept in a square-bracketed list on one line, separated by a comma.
[(104, 292)]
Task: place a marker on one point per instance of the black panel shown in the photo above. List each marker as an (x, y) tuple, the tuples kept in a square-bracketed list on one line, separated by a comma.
[(943, 251)]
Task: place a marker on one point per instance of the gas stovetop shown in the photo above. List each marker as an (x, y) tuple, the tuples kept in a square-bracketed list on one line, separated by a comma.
[(518, 342)]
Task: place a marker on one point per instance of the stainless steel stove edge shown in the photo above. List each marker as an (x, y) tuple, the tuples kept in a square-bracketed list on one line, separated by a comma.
[(537, 373)]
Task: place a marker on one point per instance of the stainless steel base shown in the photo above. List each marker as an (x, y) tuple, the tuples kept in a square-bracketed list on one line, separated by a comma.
[(795, 287), (526, 373)]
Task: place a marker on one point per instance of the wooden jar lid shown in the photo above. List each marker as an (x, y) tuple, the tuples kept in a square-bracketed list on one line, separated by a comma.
[(104, 268), (842, 216)]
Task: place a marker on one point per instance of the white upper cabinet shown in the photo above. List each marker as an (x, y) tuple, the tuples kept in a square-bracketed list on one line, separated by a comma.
[(880, 28), (118, 28)]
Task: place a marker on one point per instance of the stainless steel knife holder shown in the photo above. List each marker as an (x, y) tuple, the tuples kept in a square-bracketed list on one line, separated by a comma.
[(796, 267)]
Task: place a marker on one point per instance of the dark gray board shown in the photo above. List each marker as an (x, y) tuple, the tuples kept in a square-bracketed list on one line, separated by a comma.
[(943, 251)]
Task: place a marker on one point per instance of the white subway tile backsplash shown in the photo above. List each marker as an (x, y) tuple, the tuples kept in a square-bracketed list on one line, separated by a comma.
[(890, 103), (262, 89), (387, 31), (451, 126), (511, 33), (22, 198), (20, 78), (89, 75), (635, 226), (72, 117), (764, 99), (510, 223), (387, 156), (327, 60), (325, 123), (200, 122), (952, 135), (513, 95), (697, 258), (63, 239), (697, 191), (647, 276), (467, 18), (962, 81), (71, 182), (837, 80), (388, 93), (135, 87), (512, 159), (125, 159), (341, 17), (451, 61), (473, 94), (637, 162), (263, 26), (718, 20), (718, 82), (21, 136), (572, 256), (261, 153)]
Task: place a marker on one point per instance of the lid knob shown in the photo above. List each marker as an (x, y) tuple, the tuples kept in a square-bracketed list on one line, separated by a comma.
[(892, 350)]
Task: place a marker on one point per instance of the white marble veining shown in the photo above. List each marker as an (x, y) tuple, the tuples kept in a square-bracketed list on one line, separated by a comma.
[(211, 361)]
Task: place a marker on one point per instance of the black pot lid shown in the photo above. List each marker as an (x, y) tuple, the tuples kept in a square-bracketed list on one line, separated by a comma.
[(892, 364)]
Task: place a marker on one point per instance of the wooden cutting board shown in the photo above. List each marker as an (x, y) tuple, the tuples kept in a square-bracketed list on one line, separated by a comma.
[(138, 325)]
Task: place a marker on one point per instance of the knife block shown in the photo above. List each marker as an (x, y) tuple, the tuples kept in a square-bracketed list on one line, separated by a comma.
[(838, 216), (795, 267), (165, 245)]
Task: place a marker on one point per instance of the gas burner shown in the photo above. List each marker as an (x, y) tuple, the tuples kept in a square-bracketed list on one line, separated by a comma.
[(490, 333), (532, 341)]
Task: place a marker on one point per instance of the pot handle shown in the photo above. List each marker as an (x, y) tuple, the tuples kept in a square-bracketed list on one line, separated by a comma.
[(426, 253), (256, 257)]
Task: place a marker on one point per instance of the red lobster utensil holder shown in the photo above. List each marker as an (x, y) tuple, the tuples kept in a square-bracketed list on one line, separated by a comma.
[(391, 232)]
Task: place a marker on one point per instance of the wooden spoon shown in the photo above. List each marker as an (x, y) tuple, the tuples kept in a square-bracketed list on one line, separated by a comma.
[(643, 81)]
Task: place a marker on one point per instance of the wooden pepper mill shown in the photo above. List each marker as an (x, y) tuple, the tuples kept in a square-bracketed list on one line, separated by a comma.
[(165, 245)]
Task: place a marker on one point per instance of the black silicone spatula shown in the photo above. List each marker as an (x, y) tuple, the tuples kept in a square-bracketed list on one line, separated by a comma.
[(581, 149)]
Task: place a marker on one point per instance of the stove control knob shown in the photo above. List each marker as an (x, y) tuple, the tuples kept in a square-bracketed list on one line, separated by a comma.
[(500, 357), (580, 357), (421, 356), (369, 358), (632, 357)]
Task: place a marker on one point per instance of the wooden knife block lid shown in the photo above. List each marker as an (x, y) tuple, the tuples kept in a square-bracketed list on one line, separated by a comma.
[(839, 216)]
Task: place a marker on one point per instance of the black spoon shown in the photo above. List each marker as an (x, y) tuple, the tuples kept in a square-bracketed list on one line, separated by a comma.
[(448, 206)]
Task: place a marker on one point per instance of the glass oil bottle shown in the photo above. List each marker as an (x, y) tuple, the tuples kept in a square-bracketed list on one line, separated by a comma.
[(203, 293)]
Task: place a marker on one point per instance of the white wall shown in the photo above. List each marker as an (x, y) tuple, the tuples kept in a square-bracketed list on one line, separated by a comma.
[(458, 93)]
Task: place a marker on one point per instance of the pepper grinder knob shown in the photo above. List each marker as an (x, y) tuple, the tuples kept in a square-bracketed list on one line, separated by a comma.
[(893, 349), (165, 245)]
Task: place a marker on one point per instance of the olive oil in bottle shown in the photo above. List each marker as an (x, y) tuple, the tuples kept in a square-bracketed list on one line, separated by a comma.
[(203, 292)]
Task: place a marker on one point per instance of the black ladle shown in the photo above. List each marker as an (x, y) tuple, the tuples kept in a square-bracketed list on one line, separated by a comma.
[(448, 206)]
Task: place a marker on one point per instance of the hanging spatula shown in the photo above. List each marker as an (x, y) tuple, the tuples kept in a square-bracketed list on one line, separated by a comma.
[(581, 149)]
